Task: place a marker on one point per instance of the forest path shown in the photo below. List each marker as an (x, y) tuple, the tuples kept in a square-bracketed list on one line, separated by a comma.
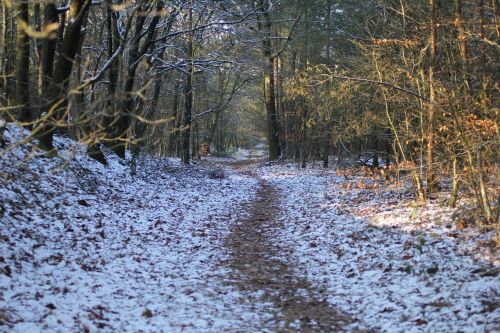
[(259, 265)]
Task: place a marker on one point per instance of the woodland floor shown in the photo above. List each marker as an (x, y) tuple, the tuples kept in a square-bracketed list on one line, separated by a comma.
[(231, 245)]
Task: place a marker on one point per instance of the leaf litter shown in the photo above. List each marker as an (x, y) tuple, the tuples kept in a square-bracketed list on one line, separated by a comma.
[(397, 266), (228, 248)]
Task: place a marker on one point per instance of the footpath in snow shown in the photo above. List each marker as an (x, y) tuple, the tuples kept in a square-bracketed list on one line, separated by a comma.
[(214, 247)]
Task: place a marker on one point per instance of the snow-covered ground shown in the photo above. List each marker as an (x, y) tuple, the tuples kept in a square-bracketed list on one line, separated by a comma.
[(395, 268), (88, 248)]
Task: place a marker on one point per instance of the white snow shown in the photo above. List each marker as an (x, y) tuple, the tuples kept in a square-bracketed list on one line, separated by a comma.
[(395, 269), (89, 248)]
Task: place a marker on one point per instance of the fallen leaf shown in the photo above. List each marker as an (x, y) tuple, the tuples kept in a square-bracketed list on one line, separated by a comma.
[(147, 313), (83, 203), (50, 306)]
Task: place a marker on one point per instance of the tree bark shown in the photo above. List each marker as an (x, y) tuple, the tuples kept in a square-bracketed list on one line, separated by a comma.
[(272, 118), (485, 98), (432, 183), (23, 64), (113, 43), (188, 95), (137, 51), (4, 50), (173, 138), (37, 20), (462, 39), (188, 109), (48, 45), (58, 87), (9, 61)]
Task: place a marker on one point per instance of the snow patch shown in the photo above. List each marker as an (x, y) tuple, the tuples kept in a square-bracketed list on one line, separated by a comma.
[(393, 267)]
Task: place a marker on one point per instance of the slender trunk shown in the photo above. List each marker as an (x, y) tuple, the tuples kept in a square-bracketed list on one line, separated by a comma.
[(195, 141), (9, 35), (48, 45), (4, 51), (213, 128), (141, 128), (456, 183), (188, 108), (219, 145), (326, 153), (272, 117), (281, 111), (329, 7), (23, 64), (152, 110), (462, 38), (90, 134), (431, 176), (113, 43), (485, 98), (375, 163), (38, 42), (482, 189), (172, 141), (188, 95), (60, 31)]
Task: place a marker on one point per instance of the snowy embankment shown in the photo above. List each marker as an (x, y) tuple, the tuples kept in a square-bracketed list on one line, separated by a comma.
[(393, 268), (87, 248)]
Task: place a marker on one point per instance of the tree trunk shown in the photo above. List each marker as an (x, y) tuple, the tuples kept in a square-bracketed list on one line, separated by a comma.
[(113, 43), (58, 87), (213, 128), (37, 18), (326, 153), (483, 192), (456, 183), (462, 38), (485, 98), (272, 117), (23, 65), (4, 51), (48, 45), (173, 138), (137, 51), (431, 176), (123, 120), (188, 108), (188, 95), (282, 110), (9, 50)]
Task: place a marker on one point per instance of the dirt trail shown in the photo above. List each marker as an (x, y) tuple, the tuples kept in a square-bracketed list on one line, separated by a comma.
[(259, 263)]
